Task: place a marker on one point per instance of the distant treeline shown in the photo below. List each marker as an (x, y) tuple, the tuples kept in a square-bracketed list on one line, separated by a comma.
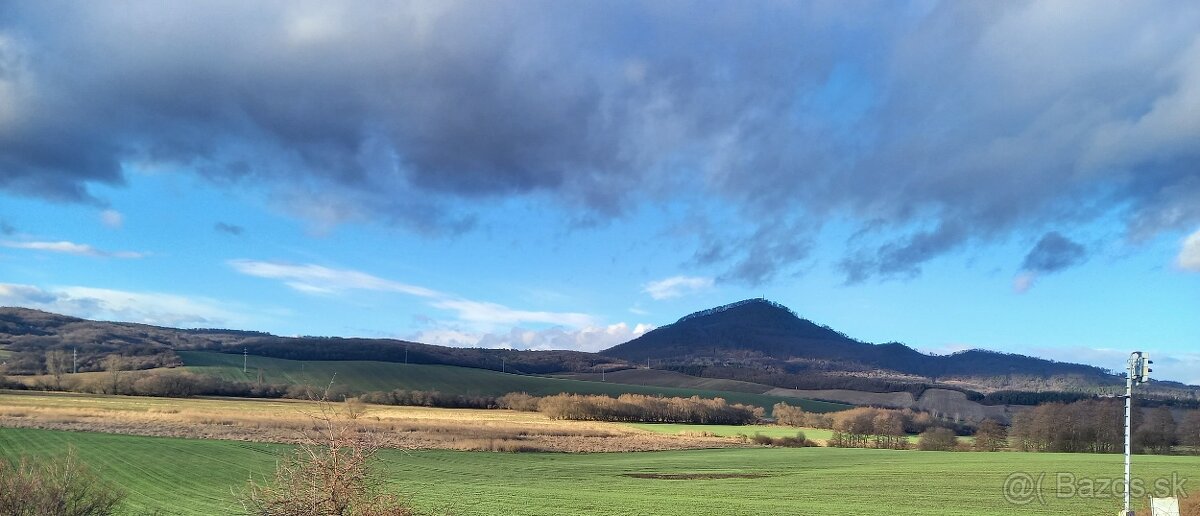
[(387, 350), (867, 427), (640, 408), (1097, 426), (806, 381)]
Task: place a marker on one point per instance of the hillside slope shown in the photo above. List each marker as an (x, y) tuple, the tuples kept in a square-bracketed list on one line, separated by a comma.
[(362, 376), (764, 342)]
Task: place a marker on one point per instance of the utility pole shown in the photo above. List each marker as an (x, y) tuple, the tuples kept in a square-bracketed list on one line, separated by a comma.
[(1138, 371), (74, 360), (502, 364), (245, 360)]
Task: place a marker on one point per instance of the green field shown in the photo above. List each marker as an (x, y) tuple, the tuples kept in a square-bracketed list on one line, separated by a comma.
[(182, 476), (385, 376)]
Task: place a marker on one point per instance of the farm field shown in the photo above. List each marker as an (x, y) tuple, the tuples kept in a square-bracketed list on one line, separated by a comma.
[(386, 376), (821, 435), (183, 476), (775, 431), (283, 421)]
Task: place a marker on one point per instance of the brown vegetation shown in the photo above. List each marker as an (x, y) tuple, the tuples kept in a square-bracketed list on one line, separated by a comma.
[(329, 474), (61, 486), (937, 439), (1097, 426), (647, 409), (281, 420)]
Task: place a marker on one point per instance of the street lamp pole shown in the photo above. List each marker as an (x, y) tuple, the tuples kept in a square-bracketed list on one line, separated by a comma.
[(1138, 371)]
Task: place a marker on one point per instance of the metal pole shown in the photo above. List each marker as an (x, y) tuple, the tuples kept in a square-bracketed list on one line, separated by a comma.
[(245, 359), (1128, 431)]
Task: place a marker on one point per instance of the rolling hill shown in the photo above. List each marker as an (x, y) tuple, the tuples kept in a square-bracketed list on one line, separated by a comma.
[(363, 376), (764, 342)]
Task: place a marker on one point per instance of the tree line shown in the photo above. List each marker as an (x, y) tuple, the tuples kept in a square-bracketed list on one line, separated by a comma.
[(1097, 426), (635, 408)]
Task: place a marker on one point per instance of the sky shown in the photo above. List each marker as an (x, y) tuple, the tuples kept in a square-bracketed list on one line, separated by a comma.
[(1015, 176)]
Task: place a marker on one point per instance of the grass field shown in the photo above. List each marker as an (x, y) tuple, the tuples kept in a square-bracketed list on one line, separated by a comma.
[(385, 376), (181, 476)]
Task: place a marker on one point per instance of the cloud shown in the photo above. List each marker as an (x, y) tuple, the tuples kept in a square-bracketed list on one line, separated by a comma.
[(112, 219), (676, 286), (1189, 253), (492, 314), (787, 115), (1052, 253), (312, 278), (591, 338), (118, 305), (316, 279), (72, 248), (228, 229)]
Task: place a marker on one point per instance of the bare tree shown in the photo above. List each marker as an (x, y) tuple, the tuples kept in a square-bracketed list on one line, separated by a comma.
[(56, 366), (1189, 431), (990, 436), (115, 365), (330, 473)]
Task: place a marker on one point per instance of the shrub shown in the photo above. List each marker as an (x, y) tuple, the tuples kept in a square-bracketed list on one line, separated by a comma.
[(937, 439), (518, 401), (329, 474), (62, 487)]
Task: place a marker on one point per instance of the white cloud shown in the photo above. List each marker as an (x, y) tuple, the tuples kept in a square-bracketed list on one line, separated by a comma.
[(71, 248), (676, 286), (591, 338), (314, 279), (112, 218), (1189, 254), (481, 315), (118, 305), (492, 314)]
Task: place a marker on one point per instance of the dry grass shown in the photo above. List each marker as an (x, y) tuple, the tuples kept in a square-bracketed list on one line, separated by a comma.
[(284, 421)]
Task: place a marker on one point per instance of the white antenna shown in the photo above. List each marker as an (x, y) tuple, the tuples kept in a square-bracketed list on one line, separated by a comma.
[(502, 360), (1137, 371), (245, 359), (74, 360)]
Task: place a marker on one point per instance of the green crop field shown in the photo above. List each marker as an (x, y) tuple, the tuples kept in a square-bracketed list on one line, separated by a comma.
[(384, 376), (180, 476)]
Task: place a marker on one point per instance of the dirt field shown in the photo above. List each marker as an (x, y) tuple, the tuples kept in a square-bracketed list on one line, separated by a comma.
[(283, 421)]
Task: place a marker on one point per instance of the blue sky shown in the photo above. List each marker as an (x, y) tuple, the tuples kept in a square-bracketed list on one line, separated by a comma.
[(1021, 177)]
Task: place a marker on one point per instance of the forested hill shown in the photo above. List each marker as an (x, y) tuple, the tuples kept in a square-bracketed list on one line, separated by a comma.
[(760, 334), (26, 335)]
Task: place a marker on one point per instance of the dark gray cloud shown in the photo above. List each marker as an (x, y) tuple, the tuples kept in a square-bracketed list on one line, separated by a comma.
[(927, 128), (229, 229), (1053, 253)]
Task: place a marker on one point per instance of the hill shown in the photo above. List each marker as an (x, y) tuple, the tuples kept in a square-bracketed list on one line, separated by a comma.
[(27, 334), (363, 376), (764, 342)]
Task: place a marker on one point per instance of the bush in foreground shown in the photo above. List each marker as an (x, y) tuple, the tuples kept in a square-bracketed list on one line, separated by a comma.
[(329, 474), (62, 486)]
